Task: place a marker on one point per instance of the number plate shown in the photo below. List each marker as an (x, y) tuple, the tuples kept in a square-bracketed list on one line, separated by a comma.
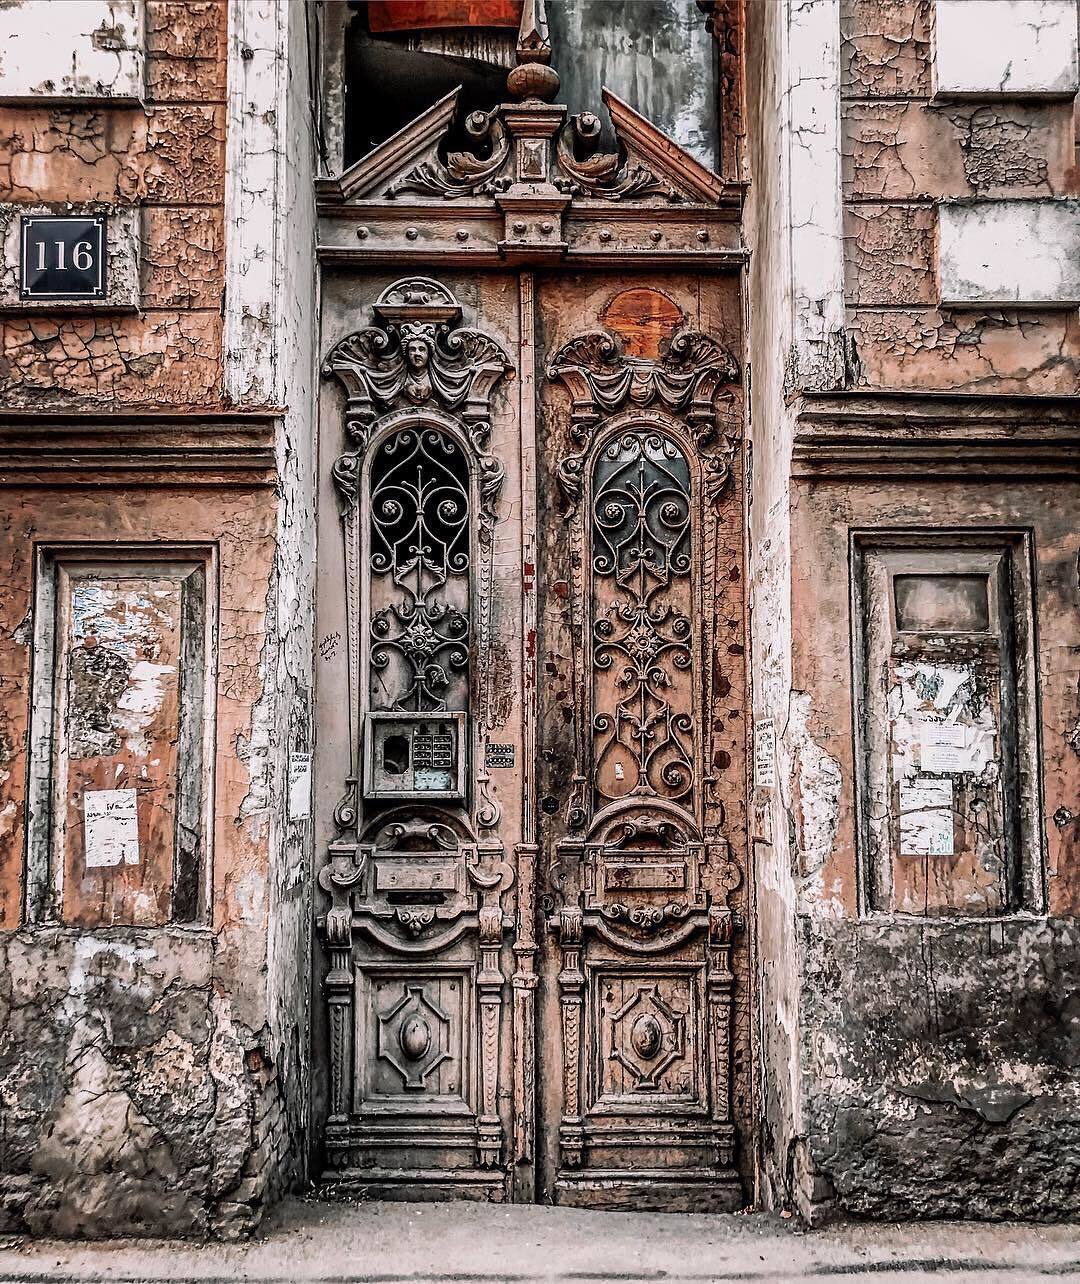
[(62, 257), (496, 756)]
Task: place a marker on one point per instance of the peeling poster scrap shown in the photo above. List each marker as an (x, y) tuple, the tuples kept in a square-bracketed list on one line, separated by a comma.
[(764, 754), (299, 785), (110, 827), (926, 817)]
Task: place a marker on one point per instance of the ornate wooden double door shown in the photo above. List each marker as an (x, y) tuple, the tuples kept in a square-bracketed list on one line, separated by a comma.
[(531, 708)]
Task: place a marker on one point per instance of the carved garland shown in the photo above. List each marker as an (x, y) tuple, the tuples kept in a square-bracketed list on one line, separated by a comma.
[(687, 381)]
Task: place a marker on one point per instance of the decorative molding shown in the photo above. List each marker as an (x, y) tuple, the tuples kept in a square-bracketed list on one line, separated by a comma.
[(863, 436), (646, 165), (687, 381), (145, 449), (409, 148), (418, 356)]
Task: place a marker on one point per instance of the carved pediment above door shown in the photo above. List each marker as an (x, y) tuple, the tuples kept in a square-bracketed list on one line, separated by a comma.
[(526, 183)]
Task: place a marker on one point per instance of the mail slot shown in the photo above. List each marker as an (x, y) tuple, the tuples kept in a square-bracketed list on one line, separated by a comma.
[(643, 877), (427, 875), (414, 755)]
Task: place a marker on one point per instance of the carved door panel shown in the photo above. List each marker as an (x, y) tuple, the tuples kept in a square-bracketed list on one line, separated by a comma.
[(534, 984), (642, 743), (421, 865)]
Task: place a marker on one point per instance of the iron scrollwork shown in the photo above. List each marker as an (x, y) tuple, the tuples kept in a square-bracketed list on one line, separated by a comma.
[(643, 741), (418, 355), (419, 640)]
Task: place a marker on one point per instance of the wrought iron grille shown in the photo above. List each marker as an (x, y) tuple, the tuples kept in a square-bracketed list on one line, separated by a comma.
[(642, 647), (420, 531)]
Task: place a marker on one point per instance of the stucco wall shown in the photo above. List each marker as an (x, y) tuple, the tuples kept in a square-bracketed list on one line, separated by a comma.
[(154, 1080), (938, 1056), (905, 152)]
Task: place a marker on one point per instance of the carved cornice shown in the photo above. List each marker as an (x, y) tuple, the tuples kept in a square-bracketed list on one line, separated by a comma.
[(530, 185), (929, 436), (61, 448)]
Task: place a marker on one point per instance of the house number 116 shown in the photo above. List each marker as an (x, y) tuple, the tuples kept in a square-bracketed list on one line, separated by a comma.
[(63, 257)]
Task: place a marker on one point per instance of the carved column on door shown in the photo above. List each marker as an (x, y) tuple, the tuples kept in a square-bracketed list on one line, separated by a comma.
[(723, 877), (338, 878), (492, 879), (489, 983), (571, 995)]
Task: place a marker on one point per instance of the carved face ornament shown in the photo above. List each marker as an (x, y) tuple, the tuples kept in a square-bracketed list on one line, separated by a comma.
[(416, 348)]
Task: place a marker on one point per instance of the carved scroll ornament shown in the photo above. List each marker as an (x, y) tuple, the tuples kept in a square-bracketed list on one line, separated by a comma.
[(610, 176), (463, 173), (418, 355), (688, 380)]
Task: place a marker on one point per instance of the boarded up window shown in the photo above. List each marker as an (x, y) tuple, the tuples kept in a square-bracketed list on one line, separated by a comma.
[(947, 725), (120, 790)]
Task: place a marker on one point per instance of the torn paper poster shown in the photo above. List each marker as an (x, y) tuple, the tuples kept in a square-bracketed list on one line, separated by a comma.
[(110, 827), (941, 722), (764, 754), (943, 746), (299, 785), (926, 817)]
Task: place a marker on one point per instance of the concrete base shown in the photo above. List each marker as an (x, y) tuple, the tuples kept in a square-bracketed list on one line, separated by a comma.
[(377, 1243)]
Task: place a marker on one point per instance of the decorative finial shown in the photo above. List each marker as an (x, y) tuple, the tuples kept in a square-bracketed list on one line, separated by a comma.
[(533, 77)]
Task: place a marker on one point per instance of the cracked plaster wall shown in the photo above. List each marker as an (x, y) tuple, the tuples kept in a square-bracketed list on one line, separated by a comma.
[(938, 1057), (155, 1081), (97, 51), (906, 1068), (771, 339), (137, 1090), (904, 153), (167, 157)]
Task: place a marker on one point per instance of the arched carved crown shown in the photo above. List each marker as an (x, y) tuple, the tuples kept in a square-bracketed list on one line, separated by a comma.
[(417, 355), (687, 380)]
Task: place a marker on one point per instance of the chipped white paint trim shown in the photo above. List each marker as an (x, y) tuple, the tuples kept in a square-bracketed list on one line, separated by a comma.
[(812, 164), (1009, 252), (254, 200), (1005, 48), (79, 50), (816, 781)]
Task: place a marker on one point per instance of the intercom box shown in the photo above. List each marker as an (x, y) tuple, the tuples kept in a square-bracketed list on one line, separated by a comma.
[(414, 755)]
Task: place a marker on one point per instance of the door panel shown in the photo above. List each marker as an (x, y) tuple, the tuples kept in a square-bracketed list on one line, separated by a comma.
[(642, 741), (535, 984), (421, 868)]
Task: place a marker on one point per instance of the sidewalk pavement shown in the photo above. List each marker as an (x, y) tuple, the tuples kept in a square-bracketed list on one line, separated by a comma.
[(346, 1243)]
